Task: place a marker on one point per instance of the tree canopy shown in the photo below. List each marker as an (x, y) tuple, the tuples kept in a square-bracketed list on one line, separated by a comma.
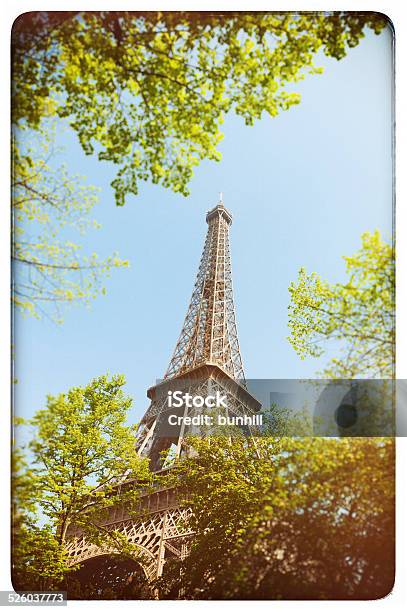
[(285, 518), (49, 207), (359, 315), (79, 451), (38, 558), (149, 91)]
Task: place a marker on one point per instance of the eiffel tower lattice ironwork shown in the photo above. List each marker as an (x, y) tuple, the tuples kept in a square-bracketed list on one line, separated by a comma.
[(206, 360), (209, 333)]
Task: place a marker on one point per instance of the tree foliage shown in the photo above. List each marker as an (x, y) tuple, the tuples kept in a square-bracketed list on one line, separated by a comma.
[(38, 559), (81, 449), (149, 91), (286, 518), (49, 206), (358, 314)]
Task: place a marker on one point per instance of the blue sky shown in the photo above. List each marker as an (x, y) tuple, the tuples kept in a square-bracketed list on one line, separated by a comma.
[(302, 187)]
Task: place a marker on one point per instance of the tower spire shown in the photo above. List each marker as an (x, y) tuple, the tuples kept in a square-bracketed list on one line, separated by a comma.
[(209, 332)]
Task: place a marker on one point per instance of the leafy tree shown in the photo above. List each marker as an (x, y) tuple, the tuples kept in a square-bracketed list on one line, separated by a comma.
[(358, 315), (149, 91), (38, 559), (286, 518), (48, 205), (81, 450)]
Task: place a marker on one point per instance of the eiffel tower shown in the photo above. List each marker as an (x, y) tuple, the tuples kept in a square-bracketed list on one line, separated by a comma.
[(206, 360)]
